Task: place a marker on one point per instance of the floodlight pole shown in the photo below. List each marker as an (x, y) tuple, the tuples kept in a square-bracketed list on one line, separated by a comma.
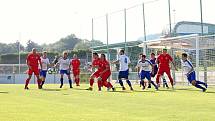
[(144, 27), (170, 23), (107, 31), (201, 17), (125, 18), (170, 32)]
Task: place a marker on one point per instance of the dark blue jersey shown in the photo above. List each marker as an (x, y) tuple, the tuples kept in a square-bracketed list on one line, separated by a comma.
[(153, 61)]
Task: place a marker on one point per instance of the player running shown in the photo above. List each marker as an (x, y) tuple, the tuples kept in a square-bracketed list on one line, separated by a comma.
[(164, 59), (105, 72), (144, 70), (123, 61), (45, 64), (190, 73), (75, 66), (95, 66), (64, 64), (33, 61)]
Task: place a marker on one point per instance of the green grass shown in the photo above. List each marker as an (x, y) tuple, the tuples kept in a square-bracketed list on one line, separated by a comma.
[(54, 104)]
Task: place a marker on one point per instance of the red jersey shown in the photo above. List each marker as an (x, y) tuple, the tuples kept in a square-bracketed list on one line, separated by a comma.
[(104, 65), (164, 60), (33, 60), (75, 63), (96, 62)]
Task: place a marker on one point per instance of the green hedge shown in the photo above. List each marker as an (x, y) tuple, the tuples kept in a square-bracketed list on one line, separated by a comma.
[(14, 57)]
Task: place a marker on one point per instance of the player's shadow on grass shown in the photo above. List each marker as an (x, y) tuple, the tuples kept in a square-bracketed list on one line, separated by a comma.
[(122, 91), (194, 90), (188, 89), (185, 89), (167, 90), (51, 89), (80, 89), (4, 92), (210, 92), (145, 91)]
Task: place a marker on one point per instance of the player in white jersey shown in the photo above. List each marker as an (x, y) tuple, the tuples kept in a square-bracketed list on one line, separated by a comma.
[(45, 65), (138, 74), (123, 61), (190, 73), (145, 71), (64, 65)]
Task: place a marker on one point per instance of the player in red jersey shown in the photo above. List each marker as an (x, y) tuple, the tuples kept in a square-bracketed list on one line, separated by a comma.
[(163, 60), (165, 84), (75, 66), (33, 61), (105, 72), (95, 66)]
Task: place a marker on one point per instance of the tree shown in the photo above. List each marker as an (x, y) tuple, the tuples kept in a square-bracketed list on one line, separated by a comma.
[(10, 48), (86, 44), (96, 43), (31, 45), (82, 45), (67, 43)]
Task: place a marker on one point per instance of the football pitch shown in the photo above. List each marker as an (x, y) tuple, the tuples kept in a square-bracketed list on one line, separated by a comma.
[(77, 104)]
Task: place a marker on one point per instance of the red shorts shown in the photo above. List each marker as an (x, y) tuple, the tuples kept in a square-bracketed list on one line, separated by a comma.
[(33, 70), (161, 70), (76, 72), (105, 76)]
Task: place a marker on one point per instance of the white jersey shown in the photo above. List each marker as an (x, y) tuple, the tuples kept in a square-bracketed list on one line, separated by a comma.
[(144, 65), (123, 62), (45, 63), (64, 63), (187, 66)]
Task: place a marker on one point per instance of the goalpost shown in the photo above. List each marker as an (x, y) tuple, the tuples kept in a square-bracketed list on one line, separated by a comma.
[(201, 51)]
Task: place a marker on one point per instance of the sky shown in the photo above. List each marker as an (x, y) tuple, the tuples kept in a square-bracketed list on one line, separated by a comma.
[(46, 21)]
